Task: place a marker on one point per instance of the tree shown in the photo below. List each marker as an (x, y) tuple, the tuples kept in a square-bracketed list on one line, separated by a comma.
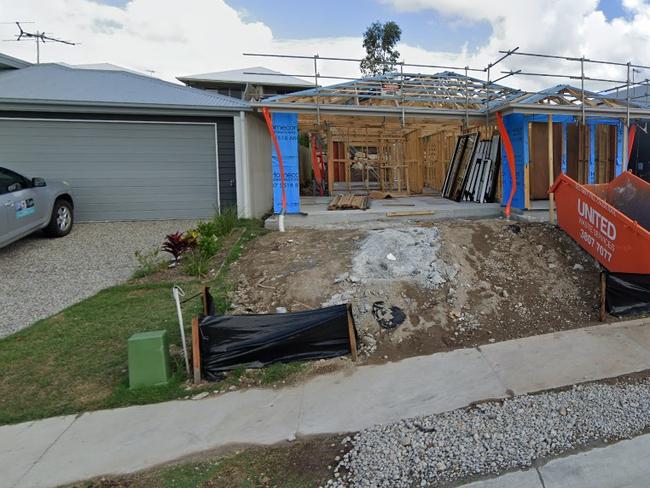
[(379, 41)]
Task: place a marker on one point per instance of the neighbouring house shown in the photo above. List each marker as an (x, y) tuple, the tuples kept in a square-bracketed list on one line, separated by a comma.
[(254, 83), (132, 146)]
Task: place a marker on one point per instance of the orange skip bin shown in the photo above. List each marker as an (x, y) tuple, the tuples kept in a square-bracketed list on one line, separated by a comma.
[(606, 220)]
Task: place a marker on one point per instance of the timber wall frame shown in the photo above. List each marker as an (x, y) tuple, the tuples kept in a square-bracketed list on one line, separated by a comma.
[(465, 102), (591, 162)]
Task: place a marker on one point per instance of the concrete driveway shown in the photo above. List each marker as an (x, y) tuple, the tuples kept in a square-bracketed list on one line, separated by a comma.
[(40, 276)]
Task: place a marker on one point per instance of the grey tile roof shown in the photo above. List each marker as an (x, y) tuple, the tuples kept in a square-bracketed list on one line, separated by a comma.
[(55, 83)]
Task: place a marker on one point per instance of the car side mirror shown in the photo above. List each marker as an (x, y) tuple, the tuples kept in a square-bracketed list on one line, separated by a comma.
[(38, 182)]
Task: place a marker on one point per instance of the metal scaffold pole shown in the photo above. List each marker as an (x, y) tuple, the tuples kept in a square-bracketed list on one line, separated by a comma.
[(487, 100), (466, 98), (317, 89), (401, 89), (582, 88), (626, 127)]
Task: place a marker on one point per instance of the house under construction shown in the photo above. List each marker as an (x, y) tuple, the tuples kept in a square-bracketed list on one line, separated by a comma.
[(400, 132)]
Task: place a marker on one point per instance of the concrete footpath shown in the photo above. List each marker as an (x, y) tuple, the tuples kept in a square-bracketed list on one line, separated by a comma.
[(66, 449), (624, 464)]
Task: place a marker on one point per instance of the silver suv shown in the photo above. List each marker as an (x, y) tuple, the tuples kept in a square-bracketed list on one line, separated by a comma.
[(28, 205)]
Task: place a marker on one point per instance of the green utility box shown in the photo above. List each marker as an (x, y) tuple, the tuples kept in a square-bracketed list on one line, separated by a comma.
[(148, 359)]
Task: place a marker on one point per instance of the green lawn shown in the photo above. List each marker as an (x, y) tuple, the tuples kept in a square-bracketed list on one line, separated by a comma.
[(77, 360)]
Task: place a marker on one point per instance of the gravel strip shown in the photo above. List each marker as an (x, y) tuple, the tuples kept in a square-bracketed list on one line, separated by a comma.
[(42, 276), (492, 437)]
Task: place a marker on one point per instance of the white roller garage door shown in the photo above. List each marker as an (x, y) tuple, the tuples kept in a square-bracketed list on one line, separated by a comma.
[(120, 170)]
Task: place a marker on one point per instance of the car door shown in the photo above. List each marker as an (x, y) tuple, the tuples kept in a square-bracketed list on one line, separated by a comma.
[(22, 206)]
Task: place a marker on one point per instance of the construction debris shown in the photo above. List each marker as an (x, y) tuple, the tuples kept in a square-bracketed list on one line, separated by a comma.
[(410, 213), (383, 195), (349, 202), (407, 253), (473, 171), (387, 317)]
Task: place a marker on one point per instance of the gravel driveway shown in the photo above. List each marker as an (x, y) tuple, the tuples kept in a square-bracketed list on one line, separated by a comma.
[(40, 276)]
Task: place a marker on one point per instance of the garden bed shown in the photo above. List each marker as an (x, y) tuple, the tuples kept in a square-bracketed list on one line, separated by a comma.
[(76, 360)]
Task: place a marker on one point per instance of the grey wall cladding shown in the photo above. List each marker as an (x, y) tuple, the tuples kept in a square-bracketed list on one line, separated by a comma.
[(126, 171), (227, 178)]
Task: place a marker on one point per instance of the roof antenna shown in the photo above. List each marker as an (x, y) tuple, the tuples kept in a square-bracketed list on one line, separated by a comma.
[(39, 37)]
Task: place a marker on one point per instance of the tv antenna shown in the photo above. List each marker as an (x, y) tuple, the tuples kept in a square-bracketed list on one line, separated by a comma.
[(39, 37)]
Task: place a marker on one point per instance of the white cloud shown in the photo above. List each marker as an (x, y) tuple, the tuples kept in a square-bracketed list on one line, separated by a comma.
[(551, 27), (163, 37), (208, 35)]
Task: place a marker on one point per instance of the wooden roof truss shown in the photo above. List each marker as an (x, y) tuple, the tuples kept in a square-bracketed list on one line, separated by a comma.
[(446, 90)]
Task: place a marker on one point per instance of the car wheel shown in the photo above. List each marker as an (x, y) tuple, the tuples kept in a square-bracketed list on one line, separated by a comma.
[(61, 221)]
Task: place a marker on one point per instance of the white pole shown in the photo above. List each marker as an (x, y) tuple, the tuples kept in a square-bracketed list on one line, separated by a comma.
[(177, 292)]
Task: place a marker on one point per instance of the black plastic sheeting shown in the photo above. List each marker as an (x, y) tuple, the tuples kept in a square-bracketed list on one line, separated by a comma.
[(627, 294), (632, 198), (253, 341)]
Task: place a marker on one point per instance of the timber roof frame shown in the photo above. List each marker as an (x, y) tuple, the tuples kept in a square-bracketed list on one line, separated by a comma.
[(447, 95), (447, 91), (570, 95)]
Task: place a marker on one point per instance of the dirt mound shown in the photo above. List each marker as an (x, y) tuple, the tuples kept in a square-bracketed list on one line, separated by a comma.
[(459, 283)]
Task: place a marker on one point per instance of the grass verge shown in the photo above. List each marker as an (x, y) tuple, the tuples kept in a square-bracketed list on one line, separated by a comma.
[(76, 360), (302, 464)]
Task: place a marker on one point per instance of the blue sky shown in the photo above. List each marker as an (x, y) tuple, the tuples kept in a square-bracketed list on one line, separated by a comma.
[(338, 18), (301, 19)]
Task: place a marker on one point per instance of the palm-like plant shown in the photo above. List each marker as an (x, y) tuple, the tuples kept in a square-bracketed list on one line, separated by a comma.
[(176, 244)]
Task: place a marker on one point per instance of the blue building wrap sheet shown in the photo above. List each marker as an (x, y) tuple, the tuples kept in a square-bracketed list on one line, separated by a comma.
[(517, 128), (285, 126)]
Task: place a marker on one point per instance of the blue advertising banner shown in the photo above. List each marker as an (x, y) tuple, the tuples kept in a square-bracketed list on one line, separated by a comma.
[(285, 126)]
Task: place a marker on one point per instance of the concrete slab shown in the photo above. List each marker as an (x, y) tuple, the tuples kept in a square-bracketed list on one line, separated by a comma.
[(344, 402), (639, 331), (517, 479), (130, 439), (23, 445), (315, 213), (624, 464), (568, 357)]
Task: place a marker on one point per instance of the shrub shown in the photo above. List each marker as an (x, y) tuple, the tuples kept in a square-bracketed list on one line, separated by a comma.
[(207, 228), (197, 262), (203, 242), (177, 244), (149, 262), (208, 246), (226, 221)]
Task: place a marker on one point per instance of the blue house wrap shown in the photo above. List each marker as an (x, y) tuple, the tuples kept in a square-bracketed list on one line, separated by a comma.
[(517, 126), (285, 126)]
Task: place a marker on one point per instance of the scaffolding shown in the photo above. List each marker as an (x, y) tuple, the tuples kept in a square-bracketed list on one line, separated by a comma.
[(410, 115), (451, 92)]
